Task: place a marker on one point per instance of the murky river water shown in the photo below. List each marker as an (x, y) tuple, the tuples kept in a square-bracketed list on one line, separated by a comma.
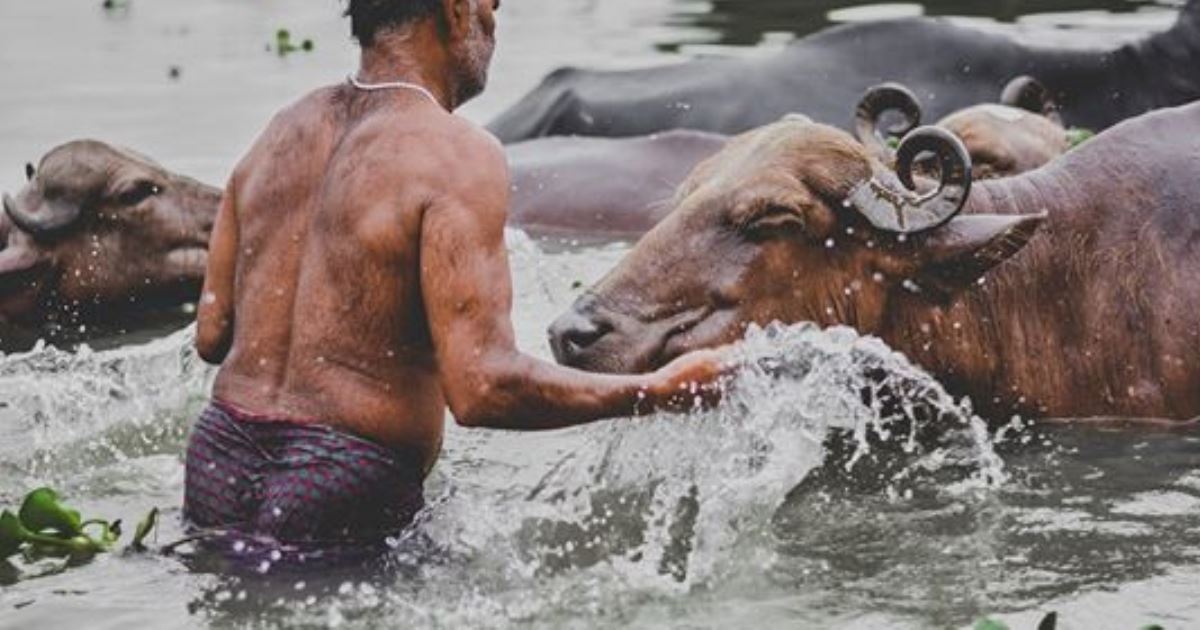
[(747, 516)]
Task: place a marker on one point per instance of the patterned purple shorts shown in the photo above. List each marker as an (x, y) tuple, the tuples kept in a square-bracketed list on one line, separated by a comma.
[(295, 483)]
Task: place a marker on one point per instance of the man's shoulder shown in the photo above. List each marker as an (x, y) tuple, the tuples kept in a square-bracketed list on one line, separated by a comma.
[(447, 145), (450, 136), (305, 113)]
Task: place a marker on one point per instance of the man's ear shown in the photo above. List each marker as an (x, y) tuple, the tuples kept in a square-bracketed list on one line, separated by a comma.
[(458, 17), (956, 255)]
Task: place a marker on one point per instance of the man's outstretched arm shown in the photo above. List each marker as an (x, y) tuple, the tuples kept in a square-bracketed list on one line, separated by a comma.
[(214, 317), (467, 287)]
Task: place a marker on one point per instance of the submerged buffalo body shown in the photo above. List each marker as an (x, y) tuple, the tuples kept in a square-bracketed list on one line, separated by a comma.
[(601, 187), (822, 76), (97, 234), (1067, 291), (622, 187)]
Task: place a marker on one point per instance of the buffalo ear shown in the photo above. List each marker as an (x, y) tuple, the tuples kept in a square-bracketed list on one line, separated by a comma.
[(959, 253)]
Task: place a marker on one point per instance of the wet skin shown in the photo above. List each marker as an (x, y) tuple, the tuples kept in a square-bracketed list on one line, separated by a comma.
[(358, 275)]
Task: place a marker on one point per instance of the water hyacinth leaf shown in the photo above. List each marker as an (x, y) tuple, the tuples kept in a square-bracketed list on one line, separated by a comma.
[(143, 530), (12, 534), (42, 511), (990, 624), (109, 533)]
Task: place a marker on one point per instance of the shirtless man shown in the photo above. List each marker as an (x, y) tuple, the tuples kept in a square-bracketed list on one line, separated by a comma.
[(358, 284)]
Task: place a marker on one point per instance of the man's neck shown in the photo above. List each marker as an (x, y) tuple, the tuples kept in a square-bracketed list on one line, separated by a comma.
[(411, 56)]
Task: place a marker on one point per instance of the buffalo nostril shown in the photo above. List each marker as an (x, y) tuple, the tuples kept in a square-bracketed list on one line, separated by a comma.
[(573, 333)]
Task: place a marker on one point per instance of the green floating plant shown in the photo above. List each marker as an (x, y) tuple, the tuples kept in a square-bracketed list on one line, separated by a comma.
[(285, 46), (1077, 136), (44, 526), (143, 530)]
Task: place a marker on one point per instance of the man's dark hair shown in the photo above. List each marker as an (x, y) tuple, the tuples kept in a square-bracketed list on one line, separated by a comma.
[(369, 17)]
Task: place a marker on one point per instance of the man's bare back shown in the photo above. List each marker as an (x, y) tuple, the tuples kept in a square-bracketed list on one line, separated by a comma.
[(329, 291), (330, 323)]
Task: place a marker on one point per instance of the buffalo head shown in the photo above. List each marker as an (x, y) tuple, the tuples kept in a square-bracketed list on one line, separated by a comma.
[(99, 229), (1021, 133), (790, 222)]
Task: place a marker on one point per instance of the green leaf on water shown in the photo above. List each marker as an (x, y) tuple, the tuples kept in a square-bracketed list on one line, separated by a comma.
[(42, 511), (143, 530), (12, 534), (1153, 627), (990, 624)]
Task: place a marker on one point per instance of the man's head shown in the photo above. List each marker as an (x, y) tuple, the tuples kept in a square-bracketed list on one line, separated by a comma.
[(465, 30)]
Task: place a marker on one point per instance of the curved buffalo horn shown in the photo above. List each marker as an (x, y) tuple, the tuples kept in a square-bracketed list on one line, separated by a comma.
[(29, 171), (893, 209), (17, 259), (58, 217), (1029, 94), (875, 103)]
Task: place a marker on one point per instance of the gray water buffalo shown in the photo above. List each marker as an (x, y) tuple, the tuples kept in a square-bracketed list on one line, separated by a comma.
[(97, 235), (1021, 133), (1068, 291), (601, 187), (949, 66)]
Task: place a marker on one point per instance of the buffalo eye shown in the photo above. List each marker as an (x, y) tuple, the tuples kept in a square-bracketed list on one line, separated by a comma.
[(29, 171), (138, 193), (773, 219)]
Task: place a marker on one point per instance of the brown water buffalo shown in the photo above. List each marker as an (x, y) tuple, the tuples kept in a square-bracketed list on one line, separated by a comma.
[(1021, 133), (1068, 291), (98, 234)]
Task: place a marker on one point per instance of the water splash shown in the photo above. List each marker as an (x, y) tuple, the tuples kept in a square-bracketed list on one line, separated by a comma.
[(644, 510), (604, 522), (66, 417)]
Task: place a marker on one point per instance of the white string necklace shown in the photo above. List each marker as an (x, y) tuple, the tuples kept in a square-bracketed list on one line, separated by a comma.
[(392, 85)]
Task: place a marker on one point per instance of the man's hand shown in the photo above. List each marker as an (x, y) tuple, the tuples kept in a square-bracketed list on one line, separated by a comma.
[(692, 378)]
